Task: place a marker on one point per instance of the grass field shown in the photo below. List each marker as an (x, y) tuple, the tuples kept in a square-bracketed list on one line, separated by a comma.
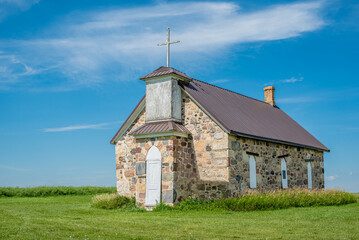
[(44, 191), (71, 217)]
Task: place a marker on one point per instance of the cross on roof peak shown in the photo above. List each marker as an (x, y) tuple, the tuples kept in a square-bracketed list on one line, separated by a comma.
[(168, 43)]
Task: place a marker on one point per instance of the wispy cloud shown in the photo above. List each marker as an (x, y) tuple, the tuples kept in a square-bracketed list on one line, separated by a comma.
[(9, 7), (219, 81), (324, 95), (14, 168), (289, 80), (79, 127), (331, 178), (292, 80), (89, 48)]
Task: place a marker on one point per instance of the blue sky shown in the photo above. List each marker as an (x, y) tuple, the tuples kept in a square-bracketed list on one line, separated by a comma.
[(69, 75)]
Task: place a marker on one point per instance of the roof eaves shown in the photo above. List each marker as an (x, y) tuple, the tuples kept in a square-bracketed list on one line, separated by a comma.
[(160, 134), (277, 141)]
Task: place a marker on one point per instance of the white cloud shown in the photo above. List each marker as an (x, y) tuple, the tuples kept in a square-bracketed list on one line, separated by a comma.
[(331, 178), (88, 48), (219, 81), (324, 95), (9, 7), (78, 127), (292, 80), (14, 168), (289, 80), (23, 5)]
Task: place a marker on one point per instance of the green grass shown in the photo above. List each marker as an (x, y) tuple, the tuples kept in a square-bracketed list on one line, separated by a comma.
[(53, 191), (278, 199), (72, 217)]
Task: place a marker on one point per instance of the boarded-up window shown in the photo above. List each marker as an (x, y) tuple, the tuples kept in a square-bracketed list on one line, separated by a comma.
[(284, 173), (252, 173), (309, 175)]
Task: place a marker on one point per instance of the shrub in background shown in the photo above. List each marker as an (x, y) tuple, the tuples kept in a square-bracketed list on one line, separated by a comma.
[(162, 207), (53, 191), (113, 201)]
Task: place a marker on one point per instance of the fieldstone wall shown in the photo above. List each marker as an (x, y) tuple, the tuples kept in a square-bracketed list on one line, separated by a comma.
[(201, 160), (128, 152), (268, 158), (131, 164), (209, 141), (187, 180)]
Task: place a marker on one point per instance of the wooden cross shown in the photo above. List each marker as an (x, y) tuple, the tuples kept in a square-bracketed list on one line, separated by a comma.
[(168, 42)]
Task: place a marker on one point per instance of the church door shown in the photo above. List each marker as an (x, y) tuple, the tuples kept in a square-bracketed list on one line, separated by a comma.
[(252, 173), (309, 176), (284, 174), (153, 177)]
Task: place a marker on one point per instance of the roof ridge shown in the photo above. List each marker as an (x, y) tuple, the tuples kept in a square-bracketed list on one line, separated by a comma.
[(230, 91), (179, 71)]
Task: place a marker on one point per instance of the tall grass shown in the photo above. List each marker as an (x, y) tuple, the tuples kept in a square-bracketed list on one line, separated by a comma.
[(278, 199), (114, 201), (53, 191)]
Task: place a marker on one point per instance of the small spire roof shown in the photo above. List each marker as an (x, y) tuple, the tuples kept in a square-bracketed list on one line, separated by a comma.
[(162, 71)]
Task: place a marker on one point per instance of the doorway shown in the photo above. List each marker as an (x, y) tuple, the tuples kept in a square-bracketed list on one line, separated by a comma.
[(153, 177)]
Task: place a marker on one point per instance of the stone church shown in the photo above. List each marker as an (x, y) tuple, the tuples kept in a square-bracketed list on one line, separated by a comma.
[(190, 138)]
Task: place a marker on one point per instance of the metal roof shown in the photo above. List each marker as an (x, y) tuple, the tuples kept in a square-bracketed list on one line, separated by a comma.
[(249, 117), (166, 71), (237, 114), (158, 127)]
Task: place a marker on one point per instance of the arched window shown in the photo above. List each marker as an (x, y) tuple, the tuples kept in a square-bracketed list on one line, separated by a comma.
[(284, 174), (309, 175), (153, 177), (252, 173)]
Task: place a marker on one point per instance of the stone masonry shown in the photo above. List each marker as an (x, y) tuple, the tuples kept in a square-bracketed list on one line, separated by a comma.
[(209, 163)]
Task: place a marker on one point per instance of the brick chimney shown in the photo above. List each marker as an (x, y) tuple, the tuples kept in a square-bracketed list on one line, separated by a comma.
[(269, 95)]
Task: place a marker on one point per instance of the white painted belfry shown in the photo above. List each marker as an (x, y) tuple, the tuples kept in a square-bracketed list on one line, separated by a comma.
[(252, 172), (309, 175), (168, 43), (284, 173), (163, 99), (153, 177)]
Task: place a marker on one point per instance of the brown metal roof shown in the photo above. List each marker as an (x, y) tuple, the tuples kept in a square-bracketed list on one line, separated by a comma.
[(165, 71), (245, 116), (238, 114), (158, 127)]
